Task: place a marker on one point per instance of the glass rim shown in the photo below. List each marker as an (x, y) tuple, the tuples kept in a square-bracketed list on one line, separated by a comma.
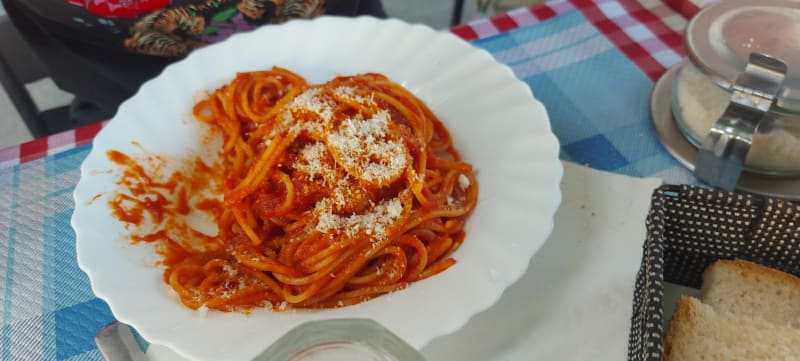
[(359, 332)]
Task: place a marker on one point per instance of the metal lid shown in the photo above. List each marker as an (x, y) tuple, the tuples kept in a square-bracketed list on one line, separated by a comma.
[(720, 39)]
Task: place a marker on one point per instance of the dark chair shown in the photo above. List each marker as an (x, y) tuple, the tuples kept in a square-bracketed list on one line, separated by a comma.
[(458, 12), (19, 66)]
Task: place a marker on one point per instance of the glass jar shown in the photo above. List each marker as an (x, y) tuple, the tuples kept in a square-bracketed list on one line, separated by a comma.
[(341, 340), (718, 42)]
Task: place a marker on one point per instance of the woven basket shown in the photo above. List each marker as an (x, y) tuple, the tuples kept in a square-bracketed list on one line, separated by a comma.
[(688, 228)]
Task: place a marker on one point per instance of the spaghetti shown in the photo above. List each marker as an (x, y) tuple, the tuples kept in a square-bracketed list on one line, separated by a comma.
[(334, 194)]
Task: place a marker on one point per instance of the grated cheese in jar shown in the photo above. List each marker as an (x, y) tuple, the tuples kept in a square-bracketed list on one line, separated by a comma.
[(700, 102)]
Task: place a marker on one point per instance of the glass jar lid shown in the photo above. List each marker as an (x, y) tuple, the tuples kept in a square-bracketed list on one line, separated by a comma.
[(720, 39)]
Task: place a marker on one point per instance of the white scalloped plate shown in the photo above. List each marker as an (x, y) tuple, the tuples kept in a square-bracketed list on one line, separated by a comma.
[(496, 124)]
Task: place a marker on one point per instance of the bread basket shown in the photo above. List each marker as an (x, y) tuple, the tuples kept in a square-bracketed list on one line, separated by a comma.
[(688, 228)]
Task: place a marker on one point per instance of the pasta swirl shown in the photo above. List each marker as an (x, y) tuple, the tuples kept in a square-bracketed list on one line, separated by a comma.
[(334, 194)]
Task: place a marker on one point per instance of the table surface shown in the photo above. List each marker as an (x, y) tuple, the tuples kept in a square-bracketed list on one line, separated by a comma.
[(591, 63)]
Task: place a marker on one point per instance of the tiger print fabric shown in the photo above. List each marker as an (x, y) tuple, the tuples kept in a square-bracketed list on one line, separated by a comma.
[(177, 30)]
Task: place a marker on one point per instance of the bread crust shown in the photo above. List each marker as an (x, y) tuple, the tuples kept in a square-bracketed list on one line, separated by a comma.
[(747, 268), (678, 324)]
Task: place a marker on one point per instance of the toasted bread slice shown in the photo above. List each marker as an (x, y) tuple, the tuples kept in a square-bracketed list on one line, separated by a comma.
[(748, 289), (698, 332)]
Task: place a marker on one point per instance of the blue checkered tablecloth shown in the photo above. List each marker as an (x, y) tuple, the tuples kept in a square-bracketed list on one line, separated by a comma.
[(596, 95), (597, 100), (49, 310)]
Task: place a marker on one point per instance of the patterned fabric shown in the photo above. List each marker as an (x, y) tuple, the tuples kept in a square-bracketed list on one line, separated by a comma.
[(51, 145), (168, 28), (593, 67), (49, 310), (647, 31), (688, 228), (689, 8), (591, 63)]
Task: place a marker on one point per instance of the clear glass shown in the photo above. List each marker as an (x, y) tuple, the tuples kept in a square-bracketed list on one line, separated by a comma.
[(720, 38), (341, 340), (699, 101)]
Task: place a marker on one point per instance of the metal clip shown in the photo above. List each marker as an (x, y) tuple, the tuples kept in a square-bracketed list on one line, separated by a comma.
[(724, 150)]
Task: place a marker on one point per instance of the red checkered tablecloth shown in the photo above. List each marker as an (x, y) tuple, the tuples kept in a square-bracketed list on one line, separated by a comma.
[(647, 31), (688, 7)]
